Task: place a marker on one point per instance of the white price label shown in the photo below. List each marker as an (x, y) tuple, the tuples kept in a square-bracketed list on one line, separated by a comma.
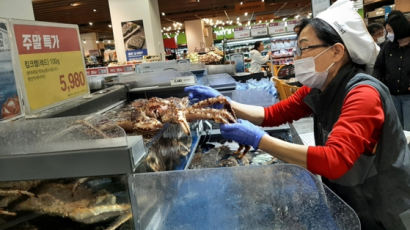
[(277, 27), (259, 30), (241, 32), (183, 81)]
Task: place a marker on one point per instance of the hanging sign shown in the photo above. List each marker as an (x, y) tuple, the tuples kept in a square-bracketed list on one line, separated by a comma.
[(259, 30), (9, 97), (134, 39), (277, 27), (241, 32), (51, 63)]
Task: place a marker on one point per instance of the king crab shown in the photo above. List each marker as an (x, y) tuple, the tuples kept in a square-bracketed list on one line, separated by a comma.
[(151, 115), (72, 200)]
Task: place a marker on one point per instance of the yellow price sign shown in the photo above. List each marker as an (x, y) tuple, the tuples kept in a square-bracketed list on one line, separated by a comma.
[(52, 64)]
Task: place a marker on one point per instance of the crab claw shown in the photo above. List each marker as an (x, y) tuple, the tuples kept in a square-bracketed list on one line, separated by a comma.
[(184, 123)]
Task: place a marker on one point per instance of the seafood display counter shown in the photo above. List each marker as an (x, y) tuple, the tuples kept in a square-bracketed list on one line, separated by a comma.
[(278, 196)]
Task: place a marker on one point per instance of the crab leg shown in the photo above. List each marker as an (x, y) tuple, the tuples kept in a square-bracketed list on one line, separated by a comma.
[(7, 213), (210, 101), (119, 221), (245, 150), (215, 100), (182, 120), (219, 116), (15, 192)]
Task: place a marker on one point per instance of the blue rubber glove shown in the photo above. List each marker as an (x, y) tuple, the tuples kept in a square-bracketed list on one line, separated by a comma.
[(199, 92), (243, 132)]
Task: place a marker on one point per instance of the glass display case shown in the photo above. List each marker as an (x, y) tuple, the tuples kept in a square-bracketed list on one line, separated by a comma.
[(51, 148), (280, 196)]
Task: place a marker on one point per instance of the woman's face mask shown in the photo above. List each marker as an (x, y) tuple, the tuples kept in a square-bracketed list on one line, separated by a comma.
[(380, 40), (390, 36), (305, 72)]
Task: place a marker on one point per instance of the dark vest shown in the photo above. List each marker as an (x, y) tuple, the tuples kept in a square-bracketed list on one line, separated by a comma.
[(377, 187)]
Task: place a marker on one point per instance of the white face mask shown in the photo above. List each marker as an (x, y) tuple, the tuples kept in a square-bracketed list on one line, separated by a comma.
[(380, 40), (390, 36), (305, 72)]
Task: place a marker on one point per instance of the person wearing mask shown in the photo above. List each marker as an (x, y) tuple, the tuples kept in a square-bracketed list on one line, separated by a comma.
[(393, 64), (361, 151), (256, 57), (377, 32)]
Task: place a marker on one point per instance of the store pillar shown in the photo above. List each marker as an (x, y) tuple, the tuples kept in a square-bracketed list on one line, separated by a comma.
[(144, 13), (89, 43), (22, 9), (195, 36)]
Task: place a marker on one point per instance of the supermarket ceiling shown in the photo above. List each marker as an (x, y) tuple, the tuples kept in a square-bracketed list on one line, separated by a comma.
[(82, 12)]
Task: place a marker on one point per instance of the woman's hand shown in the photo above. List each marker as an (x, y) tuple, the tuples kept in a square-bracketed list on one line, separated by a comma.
[(199, 92), (243, 132)]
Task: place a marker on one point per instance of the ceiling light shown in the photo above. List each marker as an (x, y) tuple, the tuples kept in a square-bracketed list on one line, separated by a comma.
[(237, 19), (284, 19), (241, 3), (84, 41), (263, 0), (246, 14), (163, 14), (97, 42), (109, 41), (109, 25), (90, 23), (271, 20), (260, 21), (75, 4), (94, 10)]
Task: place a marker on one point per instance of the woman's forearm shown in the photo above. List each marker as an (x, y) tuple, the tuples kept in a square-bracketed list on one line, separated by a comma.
[(285, 151), (252, 113)]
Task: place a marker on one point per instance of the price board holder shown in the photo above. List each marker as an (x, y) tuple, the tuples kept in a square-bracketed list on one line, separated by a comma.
[(10, 97), (49, 63)]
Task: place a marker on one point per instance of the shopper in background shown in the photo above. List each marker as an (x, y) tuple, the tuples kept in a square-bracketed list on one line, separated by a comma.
[(393, 64), (378, 33), (185, 55), (256, 57), (361, 151), (296, 29)]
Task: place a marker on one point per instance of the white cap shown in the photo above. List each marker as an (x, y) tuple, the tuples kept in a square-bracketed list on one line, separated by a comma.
[(351, 28)]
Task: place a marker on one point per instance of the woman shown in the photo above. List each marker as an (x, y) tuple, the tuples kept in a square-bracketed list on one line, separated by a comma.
[(257, 58), (393, 64), (377, 32), (361, 150)]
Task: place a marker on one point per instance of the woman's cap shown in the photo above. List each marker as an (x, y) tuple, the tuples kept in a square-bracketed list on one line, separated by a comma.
[(352, 29)]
